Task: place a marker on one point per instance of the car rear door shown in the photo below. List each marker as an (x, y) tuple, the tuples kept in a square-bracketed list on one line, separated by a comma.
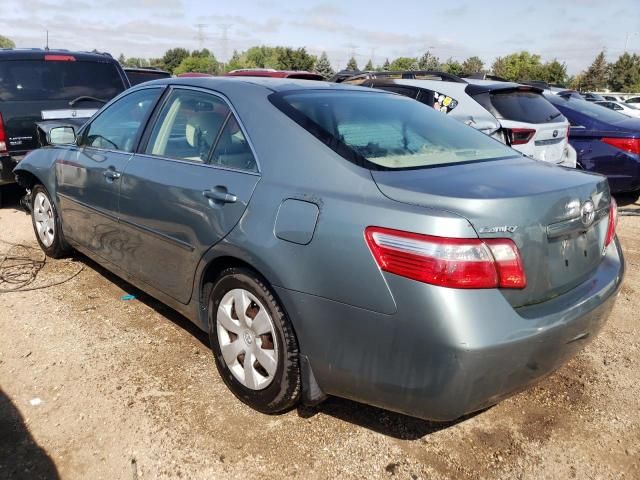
[(89, 174), (185, 189)]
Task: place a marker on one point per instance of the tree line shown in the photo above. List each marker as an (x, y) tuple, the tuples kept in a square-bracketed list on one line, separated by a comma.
[(622, 75)]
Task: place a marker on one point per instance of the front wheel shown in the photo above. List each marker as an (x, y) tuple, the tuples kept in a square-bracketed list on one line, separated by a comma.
[(253, 342), (46, 224)]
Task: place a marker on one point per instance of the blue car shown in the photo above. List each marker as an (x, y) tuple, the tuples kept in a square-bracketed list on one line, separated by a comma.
[(607, 142)]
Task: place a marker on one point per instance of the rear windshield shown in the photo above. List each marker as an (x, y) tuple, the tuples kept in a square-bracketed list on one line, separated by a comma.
[(58, 80), (382, 131), (137, 77), (523, 106), (590, 109)]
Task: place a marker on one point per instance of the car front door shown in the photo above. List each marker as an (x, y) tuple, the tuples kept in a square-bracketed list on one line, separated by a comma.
[(89, 174), (185, 189)]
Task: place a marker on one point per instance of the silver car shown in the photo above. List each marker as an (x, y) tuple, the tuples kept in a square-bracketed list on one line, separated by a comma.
[(335, 240)]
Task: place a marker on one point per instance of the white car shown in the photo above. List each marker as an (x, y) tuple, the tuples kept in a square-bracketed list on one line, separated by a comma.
[(515, 114), (635, 100), (613, 98), (628, 109)]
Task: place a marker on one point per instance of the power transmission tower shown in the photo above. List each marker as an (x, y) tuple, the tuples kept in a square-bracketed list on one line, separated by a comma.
[(201, 36), (224, 43)]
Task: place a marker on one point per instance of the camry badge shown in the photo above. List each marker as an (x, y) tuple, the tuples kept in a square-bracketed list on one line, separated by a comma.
[(500, 229), (587, 213)]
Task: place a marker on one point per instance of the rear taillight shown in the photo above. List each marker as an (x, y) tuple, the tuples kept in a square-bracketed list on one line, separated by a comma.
[(3, 137), (631, 145), (520, 136), (613, 222), (60, 58), (447, 262)]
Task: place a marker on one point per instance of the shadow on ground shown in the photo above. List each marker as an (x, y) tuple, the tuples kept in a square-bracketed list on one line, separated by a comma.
[(20, 456)]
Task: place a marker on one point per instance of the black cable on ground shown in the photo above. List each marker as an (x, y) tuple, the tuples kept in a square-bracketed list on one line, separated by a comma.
[(19, 268)]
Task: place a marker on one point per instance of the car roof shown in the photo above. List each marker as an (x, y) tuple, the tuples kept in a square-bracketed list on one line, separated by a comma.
[(269, 83), (145, 70), (268, 72), (39, 54)]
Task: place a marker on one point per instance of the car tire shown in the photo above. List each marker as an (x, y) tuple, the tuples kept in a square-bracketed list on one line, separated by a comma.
[(46, 224), (271, 382)]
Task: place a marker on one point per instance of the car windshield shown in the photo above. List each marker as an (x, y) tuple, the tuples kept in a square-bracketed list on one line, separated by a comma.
[(58, 80), (589, 109), (524, 106), (383, 131)]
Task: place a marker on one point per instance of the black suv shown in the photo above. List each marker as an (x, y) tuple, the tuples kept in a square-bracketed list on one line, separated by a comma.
[(41, 86), (139, 75)]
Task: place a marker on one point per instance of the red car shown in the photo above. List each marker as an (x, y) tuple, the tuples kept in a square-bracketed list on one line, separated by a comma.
[(268, 72), (195, 74)]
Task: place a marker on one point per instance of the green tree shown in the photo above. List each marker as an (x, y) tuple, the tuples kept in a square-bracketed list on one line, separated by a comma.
[(198, 64), (452, 66), (428, 61), (323, 66), (352, 64), (414, 65), (518, 66), (369, 66), (121, 59), (236, 62), (261, 57), (595, 78), (294, 59), (554, 73), (386, 66), (402, 63), (473, 65), (624, 74), (174, 57), (6, 42)]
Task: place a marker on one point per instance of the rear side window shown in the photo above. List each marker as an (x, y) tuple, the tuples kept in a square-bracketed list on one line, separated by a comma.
[(22, 80), (188, 126), (380, 131), (520, 106)]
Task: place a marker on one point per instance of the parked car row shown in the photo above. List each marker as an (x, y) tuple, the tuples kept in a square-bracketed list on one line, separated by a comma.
[(342, 240)]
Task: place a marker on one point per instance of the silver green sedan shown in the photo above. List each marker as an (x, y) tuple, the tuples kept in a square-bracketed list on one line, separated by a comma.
[(335, 240)]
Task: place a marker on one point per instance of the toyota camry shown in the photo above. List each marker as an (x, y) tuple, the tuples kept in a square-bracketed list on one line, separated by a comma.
[(335, 240)]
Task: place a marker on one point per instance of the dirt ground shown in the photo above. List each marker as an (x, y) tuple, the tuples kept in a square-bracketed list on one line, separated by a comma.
[(93, 386)]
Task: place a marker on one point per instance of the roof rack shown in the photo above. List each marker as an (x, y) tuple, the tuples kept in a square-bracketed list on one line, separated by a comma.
[(484, 76), (409, 74)]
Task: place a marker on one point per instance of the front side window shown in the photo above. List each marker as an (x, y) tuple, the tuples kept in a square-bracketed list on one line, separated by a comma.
[(188, 126), (380, 131), (118, 125)]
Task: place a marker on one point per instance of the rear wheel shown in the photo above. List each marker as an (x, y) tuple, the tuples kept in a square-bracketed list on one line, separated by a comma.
[(46, 224), (253, 342)]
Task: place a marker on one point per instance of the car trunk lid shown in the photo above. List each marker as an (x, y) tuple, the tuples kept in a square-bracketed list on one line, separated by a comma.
[(535, 204)]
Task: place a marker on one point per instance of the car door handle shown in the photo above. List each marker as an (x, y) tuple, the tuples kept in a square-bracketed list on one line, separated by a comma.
[(111, 174), (220, 194)]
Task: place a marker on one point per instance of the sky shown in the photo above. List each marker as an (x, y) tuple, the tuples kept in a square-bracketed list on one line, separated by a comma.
[(573, 31)]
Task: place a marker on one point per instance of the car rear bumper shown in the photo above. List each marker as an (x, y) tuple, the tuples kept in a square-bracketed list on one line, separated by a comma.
[(7, 164), (447, 352)]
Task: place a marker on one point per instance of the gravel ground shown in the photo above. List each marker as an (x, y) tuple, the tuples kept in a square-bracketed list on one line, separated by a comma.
[(92, 386)]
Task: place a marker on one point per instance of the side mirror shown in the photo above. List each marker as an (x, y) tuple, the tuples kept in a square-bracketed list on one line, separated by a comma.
[(61, 136)]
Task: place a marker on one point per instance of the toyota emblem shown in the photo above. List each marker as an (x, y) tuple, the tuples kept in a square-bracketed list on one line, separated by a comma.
[(587, 213), (555, 133)]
